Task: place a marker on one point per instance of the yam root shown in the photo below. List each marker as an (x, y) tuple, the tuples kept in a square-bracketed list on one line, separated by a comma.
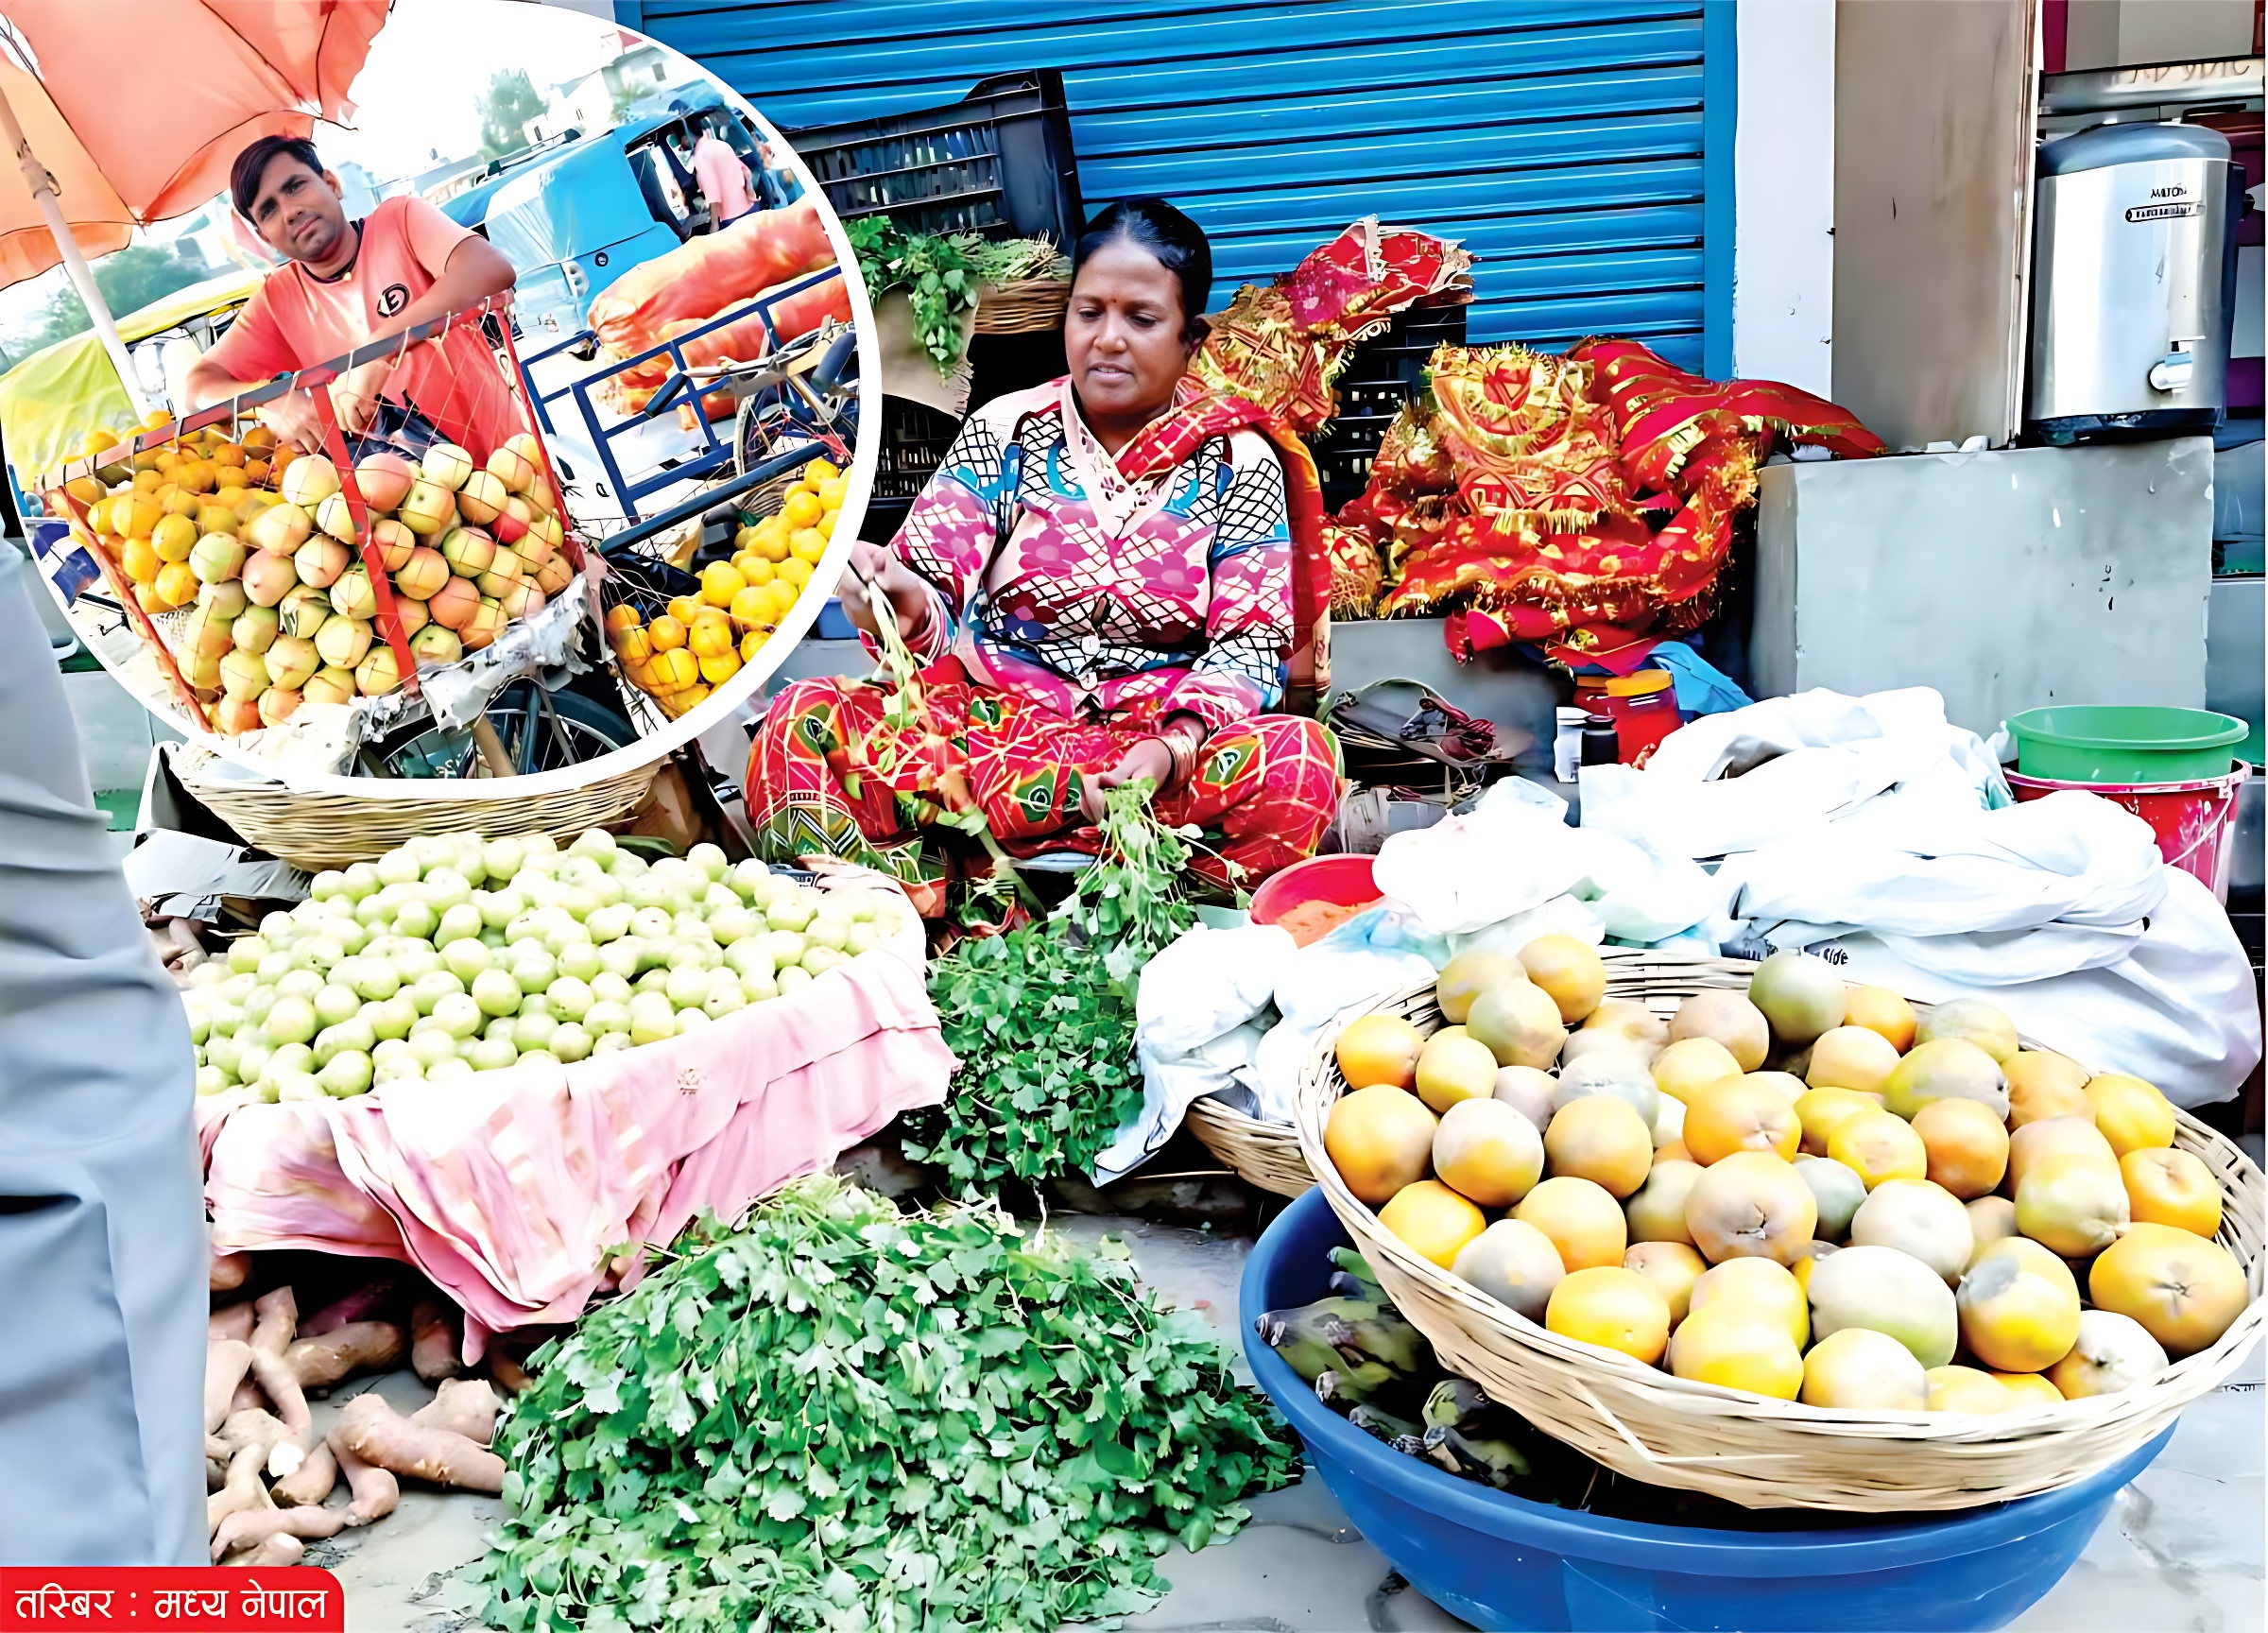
[(436, 1340), (376, 1492), (252, 1428), (313, 1481), (363, 1304), (248, 1397), (226, 1363), (510, 1376), (358, 1346), (378, 1435), (228, 1271), (240, 1490), (277, 1552), (466, 1406), (248, 1530), (278, 1320), (229, 1321)]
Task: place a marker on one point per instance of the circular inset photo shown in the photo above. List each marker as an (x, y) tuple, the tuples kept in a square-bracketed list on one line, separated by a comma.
[(469, 413)]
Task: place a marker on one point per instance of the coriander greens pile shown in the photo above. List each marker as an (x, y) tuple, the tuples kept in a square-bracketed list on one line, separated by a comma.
[(841, 1418), (1042, 1017), (943, 274)]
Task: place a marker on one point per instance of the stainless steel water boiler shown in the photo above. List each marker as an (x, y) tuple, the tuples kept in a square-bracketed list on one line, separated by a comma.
[(2129, 305)]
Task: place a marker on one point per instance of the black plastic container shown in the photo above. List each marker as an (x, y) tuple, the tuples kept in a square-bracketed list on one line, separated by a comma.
[(1384, 372), (998, 163)]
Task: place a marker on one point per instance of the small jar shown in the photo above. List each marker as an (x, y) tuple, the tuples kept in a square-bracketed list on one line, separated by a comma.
[(1567, 743)]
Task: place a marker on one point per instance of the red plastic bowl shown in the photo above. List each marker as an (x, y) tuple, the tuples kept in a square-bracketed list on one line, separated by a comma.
[(1343, 879)]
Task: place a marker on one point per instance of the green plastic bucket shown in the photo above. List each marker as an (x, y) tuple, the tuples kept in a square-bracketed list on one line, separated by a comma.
[(2124, 743)]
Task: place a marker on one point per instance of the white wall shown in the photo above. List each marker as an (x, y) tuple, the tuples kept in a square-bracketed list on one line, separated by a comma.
[(1784, 163), (2129, 33)]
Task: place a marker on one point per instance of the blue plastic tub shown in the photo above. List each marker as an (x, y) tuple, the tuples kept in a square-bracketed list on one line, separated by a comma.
[(1504, 1563)]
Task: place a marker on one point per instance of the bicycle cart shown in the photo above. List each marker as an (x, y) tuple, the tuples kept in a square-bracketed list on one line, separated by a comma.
[(521, 683)]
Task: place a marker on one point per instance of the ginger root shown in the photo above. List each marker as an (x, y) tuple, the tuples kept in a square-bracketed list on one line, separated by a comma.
[(226, 1363), (375, 1433), (436, 1340), (244, 1529), (466, 1406), (376, 1492), (358, 1346)]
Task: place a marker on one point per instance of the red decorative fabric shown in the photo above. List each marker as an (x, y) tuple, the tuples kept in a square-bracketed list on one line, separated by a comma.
[(1594, 495)]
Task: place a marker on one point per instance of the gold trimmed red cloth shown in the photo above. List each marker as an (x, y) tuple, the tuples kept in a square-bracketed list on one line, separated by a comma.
[(1593, 494)]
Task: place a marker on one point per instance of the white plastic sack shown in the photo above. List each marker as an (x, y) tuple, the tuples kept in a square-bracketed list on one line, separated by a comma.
[(1986, 898), (1502, 863), (1195, 1031), (2179, 1010), (1735, 781)]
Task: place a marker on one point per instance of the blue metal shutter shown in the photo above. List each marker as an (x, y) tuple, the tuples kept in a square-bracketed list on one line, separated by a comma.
[(1569, 144)]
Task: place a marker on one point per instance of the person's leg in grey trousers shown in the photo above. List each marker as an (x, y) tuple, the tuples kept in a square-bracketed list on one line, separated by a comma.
[(102, 1236)]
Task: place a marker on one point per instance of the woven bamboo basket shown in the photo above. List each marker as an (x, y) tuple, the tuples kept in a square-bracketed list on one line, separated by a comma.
[(1023, 306), (317, 831), (1761, 1452), (1262, 1154)]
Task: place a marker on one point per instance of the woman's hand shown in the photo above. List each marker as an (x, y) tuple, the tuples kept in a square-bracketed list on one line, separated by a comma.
[(1148, 758), (909, 594)]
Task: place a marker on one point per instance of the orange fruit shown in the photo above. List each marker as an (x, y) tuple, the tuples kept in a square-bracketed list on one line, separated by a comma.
[(176, 585), (710, 636), (685, 608), (720, 582), (1380, 1049), (667, 633), (1881, 1010), (1966, 1144), (751, 644), (141, 561), (1613, 1308), (1379, 1138), (1433, 1220), (621, 616), (2042, 1085), (2185, 1290), (2132, 1115), (807, 544), (633, 646), (674, 669), (801, 510), (1582, 1219), (1736, 1114), (1879, 1146), (719, 667), (2172, 1188), (1603, 1139), (173, 538)]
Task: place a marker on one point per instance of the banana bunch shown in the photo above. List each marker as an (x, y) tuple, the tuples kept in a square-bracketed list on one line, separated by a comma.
[(1367, 1362)]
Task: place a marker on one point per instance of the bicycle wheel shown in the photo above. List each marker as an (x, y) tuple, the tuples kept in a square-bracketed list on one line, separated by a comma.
[(541, 731)]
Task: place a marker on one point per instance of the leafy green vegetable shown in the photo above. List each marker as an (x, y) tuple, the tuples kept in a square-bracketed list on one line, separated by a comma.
[(1042, 1017), (941, 275), (839, 1418)]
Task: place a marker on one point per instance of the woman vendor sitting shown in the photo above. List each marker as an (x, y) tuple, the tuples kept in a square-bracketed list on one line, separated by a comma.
[(1099, 585)]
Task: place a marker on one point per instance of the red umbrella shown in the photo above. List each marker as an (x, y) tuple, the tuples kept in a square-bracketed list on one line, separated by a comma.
[(122, 112)]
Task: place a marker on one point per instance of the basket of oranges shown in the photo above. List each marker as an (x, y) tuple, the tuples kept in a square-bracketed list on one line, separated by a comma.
[(1785, 1242), (700, 638)]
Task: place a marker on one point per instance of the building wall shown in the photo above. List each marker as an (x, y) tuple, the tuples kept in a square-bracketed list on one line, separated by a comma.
[(1565, 142), (1784, 161)]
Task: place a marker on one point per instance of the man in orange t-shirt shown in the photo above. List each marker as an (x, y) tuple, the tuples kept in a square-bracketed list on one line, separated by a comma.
[(349, 282)]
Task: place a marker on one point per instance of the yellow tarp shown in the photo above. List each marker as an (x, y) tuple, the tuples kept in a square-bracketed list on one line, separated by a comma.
[(50, 401)]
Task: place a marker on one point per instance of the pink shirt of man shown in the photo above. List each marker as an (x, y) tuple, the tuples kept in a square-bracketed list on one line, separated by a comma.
[(723, 179), (296, 320)]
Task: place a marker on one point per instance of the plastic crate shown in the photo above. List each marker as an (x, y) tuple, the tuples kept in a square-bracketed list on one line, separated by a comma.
[(915, 438), (1384, 372), (999, 162)]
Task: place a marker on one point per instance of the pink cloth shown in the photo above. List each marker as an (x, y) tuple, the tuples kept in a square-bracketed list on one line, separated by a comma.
[(507, 1190)]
